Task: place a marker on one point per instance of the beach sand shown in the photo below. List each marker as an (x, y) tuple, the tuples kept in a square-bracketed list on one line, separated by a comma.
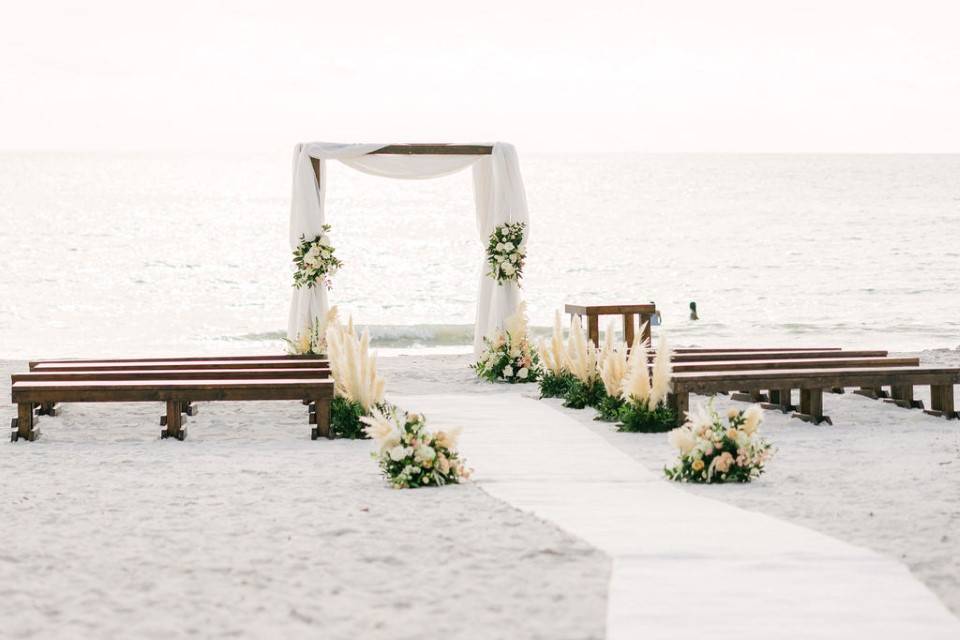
[(251, 529)]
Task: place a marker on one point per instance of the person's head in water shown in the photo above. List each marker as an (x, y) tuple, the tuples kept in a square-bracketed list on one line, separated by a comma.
[(693, 311)]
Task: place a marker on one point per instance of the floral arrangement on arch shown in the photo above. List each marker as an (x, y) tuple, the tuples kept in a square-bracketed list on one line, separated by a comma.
[(312, 340), (410, 456), (714, 451), (509, 355), (315, 261), (506, 253)]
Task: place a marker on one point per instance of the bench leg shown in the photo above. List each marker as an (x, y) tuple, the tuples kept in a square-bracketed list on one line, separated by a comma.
[(941, 402), (23, 424), (173, 421), (679, 403), (874, 393), (902, 396), (781, 400), (48, 409), (811, 406), (320, 416), (749, 396)]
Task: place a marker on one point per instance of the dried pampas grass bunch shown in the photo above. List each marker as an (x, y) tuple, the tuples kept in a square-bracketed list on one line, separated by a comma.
[(353, 367)]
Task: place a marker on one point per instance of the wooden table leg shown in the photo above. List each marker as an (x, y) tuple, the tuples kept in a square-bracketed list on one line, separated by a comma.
[(628, 330), (593, 329), (173, 420), (24, 423)]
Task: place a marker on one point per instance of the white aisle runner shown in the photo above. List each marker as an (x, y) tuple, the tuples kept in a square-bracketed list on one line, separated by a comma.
[(682, 565)]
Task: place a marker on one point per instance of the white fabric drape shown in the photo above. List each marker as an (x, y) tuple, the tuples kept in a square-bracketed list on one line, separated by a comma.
[(498, 191)]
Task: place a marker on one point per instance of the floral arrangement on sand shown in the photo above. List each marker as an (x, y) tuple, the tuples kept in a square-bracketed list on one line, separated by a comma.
[(313, 339), (582, 362), (410, 456), (506, 253), (612, 379), (509, 355), (556, 379), (358, 389), (713, 451), (315, 261), (644, 400)]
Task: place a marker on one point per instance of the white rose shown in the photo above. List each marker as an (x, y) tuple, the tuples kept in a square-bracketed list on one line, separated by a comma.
[(508, 268), (515, 257), (398, 453), (425, 453), (500, 246), (523, 373), (508, 371), (509, 247)]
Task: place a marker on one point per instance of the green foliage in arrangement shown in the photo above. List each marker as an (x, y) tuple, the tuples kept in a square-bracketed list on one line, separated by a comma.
[(609, 408), (345, 417), (638, 417), (555, 385), (582, 394)]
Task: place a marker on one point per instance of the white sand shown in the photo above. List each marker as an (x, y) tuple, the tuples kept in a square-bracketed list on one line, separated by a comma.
[(249, 526), (249, 529)]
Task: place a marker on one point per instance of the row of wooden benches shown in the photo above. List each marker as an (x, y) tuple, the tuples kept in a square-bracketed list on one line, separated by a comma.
[(179, 382)]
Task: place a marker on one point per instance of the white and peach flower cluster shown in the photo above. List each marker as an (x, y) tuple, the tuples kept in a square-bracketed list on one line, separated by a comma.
[(410, 456), (713, 451), (509, 356), (312, 340), (315, 260), (506, 252)]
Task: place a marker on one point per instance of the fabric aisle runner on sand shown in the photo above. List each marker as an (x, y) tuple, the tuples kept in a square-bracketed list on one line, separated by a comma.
[(682, 564)]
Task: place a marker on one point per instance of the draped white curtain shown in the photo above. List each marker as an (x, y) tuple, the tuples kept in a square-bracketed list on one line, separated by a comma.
[(498, 192)]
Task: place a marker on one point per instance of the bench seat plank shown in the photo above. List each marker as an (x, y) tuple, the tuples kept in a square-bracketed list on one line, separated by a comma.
[(176, 359), (825, 363), (709, 356), (211, 389), (186, 364), (169, 374)]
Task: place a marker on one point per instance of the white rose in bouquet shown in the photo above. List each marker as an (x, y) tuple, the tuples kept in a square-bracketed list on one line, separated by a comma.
[(509, 247), (398, 453), (508, 268), (514, 257), (523, 373), (508, 371)]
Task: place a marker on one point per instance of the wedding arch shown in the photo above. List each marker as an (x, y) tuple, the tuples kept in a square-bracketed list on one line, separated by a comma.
[(498, 194)]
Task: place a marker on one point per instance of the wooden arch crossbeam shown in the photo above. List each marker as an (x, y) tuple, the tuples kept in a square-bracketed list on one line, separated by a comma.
[(423, 149)]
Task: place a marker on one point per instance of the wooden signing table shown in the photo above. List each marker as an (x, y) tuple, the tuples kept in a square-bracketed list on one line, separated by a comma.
[(629, 313)]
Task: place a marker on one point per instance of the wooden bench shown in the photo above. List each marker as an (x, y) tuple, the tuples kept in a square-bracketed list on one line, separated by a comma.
[(32, 363), (710, 356), (812, 363), (812, 383), (144, 365), (628, 312), (175, 393)]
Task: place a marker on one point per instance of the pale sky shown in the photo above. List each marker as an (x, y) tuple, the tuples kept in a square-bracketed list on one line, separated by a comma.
[(671, 75)]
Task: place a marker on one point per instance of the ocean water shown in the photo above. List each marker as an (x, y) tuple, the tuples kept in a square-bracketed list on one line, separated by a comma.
[(187, 253)]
